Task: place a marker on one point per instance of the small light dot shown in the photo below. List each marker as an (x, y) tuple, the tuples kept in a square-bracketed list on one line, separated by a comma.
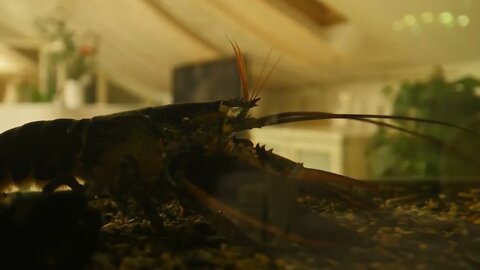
[(398, 25), (427, 17), (463, 20), (409, 20), (417, 30), (447, 19)]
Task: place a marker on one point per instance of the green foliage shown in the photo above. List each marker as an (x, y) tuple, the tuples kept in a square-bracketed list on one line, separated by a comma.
[(395, 154)]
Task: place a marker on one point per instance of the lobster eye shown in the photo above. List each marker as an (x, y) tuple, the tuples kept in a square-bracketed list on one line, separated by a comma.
[(223, 108), (234, 112)]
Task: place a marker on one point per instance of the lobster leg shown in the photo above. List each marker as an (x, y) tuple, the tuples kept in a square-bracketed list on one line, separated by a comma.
[(201, 204), (131, 182), (217, 212), (68, 180), (223, 186)]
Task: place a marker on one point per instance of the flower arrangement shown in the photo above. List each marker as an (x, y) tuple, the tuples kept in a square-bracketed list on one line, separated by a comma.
[(70, 56)]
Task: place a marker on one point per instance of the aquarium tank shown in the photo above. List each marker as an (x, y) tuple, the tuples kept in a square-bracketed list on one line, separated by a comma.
[(240, 134)]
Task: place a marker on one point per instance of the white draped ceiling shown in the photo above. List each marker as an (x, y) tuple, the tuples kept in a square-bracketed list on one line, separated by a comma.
[(141, 41)]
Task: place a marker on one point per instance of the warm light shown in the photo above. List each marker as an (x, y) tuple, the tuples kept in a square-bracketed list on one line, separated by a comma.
[(417, 23), (463, 20), (11, 61), (427, 17), (4, 64)]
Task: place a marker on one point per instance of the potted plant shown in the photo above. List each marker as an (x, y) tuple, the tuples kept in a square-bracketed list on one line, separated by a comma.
[(399, 155)]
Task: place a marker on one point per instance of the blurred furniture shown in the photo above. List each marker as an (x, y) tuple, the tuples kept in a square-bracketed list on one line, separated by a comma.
[(208, 81), (13, 115)]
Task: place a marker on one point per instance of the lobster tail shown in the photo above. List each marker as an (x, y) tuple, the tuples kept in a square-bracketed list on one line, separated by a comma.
[(40, 153)]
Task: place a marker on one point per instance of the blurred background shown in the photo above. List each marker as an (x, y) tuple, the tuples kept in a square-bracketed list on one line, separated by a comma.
[(79, 58)]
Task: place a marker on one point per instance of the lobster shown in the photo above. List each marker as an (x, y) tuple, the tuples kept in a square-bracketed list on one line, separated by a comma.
[(151, 153)]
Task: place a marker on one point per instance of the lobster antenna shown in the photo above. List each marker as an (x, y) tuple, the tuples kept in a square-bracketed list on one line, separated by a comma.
[(266, 78), (255, 88), (241, 69), (289, 117), (428, 138)]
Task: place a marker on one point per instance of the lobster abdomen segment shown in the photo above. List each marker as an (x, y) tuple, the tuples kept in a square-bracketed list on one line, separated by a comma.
[(42, 151)]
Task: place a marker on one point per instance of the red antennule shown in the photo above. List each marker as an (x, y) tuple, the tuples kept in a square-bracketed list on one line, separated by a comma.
[(241, 70)]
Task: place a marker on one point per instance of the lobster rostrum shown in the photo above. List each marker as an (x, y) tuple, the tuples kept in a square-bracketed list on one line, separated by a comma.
[(149, 154)]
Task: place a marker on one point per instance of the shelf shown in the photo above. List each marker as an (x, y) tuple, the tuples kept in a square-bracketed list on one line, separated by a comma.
[(13, 115)]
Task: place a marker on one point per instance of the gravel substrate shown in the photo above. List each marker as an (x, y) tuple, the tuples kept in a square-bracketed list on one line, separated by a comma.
[(410, 230)]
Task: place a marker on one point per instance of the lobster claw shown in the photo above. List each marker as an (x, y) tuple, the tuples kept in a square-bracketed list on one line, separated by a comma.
[(262, 204), (287, 167)]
